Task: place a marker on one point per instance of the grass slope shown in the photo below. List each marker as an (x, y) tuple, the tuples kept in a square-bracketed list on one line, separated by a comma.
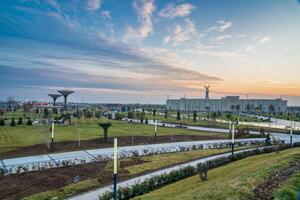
[(233, 181)]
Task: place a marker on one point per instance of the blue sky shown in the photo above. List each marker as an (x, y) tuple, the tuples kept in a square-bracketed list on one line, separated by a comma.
[(142, 50)]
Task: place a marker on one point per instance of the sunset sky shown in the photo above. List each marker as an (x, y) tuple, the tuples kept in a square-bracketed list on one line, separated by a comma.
[(141, 50)]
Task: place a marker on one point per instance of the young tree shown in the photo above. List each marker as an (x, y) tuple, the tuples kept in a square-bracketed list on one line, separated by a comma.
[(29, 122), (195, 116), (12, 122), (178, 115), (2, 122), (154, 112), (20, 121), (166, 114)]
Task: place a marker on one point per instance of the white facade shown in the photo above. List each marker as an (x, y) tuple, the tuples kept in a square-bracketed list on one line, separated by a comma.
[(228, 103)]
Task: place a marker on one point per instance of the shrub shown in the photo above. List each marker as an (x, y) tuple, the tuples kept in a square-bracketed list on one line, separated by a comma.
[(20, 121), (12, 122), (202, 169), (29, 122), (2, 122)]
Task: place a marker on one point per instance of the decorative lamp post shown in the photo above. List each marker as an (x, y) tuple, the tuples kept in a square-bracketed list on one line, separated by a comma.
[(65, 93), (54, 97)]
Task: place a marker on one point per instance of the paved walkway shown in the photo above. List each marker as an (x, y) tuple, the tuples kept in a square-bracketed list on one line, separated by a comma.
[(32, 163), (94, 194)]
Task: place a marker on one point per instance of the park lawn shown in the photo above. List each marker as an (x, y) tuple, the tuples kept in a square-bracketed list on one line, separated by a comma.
[(153, 162), (290, 190), (233, 181), (24, 135)]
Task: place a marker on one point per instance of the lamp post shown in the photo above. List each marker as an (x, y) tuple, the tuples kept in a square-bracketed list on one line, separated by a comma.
[(52, 136), (291, 135), (155, 131), (115, 167), (232, 140)]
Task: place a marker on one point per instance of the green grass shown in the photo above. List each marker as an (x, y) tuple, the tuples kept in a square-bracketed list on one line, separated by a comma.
[(233, 181), (24, 135), (153, 162), (290, 189)]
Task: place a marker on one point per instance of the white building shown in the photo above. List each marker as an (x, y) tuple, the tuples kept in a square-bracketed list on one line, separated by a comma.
[(228, 103)]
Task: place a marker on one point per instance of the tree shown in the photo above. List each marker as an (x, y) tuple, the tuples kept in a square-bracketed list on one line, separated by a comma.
[(154, 112), (178, 115), (248, 107), (232, 107), (105, 127), (195, 116), (146, 121), (214, 116), (268, 140), (166, 114), (202, 169), (29, 122), (2, 122), (98, 114), (130, 115), (1, 112), (46, 113), (12, 122), (20, 121), (238, 107), (228, 115), (271, 108)]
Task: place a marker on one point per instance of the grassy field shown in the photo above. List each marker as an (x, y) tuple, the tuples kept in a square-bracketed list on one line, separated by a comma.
[(152, 163), (233, 181), (24, 135)]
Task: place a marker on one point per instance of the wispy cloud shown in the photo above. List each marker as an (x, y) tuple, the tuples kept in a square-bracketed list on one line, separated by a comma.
[(182, 10), (182, 33), (219, 39), (221, 26), (264, 40), (144, 9), (93, 5), (106, 14)]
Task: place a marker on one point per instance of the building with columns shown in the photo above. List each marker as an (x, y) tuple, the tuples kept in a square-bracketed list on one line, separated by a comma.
[(228, 103)]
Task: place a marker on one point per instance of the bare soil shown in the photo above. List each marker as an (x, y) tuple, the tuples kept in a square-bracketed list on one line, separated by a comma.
[(21, 185), (99, 143), (265, 190)]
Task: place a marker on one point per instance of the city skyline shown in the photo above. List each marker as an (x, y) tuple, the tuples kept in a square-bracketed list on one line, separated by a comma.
[(142, 50)]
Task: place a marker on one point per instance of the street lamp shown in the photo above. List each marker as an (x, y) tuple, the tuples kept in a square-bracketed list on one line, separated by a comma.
[(115, 167), (155, 131)]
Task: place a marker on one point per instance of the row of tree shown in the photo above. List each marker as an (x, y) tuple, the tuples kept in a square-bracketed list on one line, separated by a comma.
[(14, 123)]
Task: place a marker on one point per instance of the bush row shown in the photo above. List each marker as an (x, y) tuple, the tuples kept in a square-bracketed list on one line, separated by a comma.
[(155, 182)]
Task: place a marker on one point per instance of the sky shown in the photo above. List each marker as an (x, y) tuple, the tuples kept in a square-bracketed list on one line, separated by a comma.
[(143, 51)]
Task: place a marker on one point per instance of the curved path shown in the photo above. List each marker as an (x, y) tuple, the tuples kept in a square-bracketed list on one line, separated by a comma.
[(278, 136), (94, 194)]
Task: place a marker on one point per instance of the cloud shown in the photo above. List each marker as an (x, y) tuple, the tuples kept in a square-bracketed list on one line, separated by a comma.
[(219, 39), (171, 11), (93, 5), (264, 40), (224, 25), (144, 9), (221, 27), (106, 14), (182, 33)]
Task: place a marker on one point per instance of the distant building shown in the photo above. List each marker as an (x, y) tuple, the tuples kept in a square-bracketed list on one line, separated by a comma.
[(228, 103)]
